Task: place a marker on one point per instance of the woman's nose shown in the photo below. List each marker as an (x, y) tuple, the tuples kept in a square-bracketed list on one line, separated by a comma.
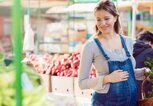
[(102, 23)]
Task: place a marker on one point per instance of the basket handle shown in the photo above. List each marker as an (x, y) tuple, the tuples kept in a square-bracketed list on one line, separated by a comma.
[(143, 94)]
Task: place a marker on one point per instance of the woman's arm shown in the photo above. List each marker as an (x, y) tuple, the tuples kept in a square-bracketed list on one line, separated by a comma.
[(85, 82), (139, 73)]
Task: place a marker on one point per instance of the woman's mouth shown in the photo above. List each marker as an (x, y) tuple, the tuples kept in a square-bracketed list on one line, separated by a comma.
[(104, 28)]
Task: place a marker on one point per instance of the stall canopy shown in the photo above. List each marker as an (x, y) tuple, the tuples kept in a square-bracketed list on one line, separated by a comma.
[(81, 5), (35, 3), (89, 7), (143, 5)]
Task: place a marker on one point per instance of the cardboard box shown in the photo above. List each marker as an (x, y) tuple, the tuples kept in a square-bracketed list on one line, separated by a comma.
[(46, 79), (63, 85), (82, 93)]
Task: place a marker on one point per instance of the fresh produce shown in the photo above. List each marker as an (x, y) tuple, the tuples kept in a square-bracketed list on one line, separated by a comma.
[(7, 87), (59, 65), (1, 57), (149, 64)]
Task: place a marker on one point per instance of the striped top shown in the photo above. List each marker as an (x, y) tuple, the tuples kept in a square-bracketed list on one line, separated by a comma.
[(92, 55)]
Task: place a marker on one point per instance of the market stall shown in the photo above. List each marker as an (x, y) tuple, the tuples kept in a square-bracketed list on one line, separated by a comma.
[(45, 47)]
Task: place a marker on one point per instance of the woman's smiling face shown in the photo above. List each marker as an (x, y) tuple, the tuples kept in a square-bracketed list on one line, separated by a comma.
[(105, 21)]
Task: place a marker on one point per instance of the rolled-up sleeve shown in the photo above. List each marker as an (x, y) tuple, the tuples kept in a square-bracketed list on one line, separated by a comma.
[(139, 73), (84, 81)]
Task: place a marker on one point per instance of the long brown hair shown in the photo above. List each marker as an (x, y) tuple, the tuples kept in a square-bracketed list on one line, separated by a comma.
[(110, 7)]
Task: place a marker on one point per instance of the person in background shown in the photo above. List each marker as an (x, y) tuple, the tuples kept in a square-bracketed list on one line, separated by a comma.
[(143, 49), (112, 56), (138, 31), (80, 38)]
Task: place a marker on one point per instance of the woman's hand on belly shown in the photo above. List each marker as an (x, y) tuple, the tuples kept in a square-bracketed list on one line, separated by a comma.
[(116, 76)]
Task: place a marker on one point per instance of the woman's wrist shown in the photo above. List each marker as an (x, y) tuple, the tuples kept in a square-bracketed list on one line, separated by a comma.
[(106, 79)]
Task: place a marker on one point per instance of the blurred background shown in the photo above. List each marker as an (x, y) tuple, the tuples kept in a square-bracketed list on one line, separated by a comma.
[(53, 32)]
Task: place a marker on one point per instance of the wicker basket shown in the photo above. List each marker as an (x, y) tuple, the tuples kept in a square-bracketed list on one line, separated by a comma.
[(145, 101)]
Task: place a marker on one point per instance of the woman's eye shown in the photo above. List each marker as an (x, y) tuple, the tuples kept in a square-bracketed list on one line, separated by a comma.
[(107, 19)]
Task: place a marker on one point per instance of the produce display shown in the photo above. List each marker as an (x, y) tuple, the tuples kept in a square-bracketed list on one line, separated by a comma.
[(58, 65), (31, 97), (149, 64)]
